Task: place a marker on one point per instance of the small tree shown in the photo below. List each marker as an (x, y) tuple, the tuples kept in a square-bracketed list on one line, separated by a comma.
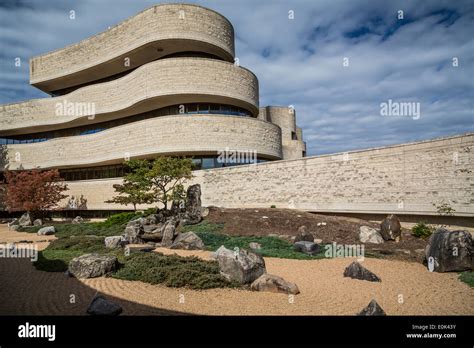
[(136, 186), (34, 191), (167, 176)]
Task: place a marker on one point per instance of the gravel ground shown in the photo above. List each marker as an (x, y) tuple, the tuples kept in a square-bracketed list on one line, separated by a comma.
[(407, 288)]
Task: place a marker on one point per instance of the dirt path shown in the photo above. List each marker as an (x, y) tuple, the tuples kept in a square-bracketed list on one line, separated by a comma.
[(324, 291)]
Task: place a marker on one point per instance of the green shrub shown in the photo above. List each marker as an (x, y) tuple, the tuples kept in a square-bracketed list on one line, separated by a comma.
[(467, 277), (273, 206), (150, 211), (172, 271), (121, 218), (422, 230)]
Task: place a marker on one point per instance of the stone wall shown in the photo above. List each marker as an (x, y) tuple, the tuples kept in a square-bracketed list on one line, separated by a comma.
[(403, 179)]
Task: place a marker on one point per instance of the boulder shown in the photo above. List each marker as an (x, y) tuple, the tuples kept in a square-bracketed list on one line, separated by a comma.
[(101, 306), (46, 231), (134, 231), (154, 235), (309, 248), (240, 265), (273, 283), (450, 250), (187, 241), (25, 220), (372, 309), (38, 222), (193, 208), (390, 228), (78, 220), (113, 242), (370, 235), (303, 235), (138, 248), (255, 246), (92, 265), (169, 232), (356, 271)]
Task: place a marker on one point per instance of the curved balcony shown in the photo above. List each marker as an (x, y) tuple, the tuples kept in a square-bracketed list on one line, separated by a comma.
[(152, 86), (151, 34), (167, 135)]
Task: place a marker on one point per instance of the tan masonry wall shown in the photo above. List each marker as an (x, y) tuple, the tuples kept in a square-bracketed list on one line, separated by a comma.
[(165, 28), (404, 179), (160, 83), (179, 134)]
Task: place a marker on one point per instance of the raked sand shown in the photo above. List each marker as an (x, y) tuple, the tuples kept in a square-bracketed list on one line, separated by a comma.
[(406, 289)]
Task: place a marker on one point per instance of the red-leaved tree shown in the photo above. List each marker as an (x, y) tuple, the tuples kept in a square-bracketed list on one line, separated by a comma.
[(34, 191)]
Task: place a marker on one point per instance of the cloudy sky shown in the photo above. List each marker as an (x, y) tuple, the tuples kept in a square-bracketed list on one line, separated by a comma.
[(300, 61)]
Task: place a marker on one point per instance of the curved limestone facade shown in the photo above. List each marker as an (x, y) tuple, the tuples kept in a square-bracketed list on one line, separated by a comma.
[(161, 83)]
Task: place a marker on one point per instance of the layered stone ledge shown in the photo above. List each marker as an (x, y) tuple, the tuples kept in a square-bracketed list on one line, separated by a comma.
[(152, 86), (165, 135), (153, 33)]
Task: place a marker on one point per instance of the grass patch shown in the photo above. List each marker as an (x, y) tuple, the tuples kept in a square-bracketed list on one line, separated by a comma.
[(67, 230), (467, 277), (172, 271), (271, 246)]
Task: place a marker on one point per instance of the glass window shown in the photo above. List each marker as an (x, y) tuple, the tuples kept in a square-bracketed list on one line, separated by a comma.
[(208, 162), (197, 163)]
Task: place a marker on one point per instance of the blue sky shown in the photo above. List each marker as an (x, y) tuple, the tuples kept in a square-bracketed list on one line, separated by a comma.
[(300, 61)]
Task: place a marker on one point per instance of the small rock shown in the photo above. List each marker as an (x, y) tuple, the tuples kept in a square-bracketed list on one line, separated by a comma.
[(38, 222), (14, 227), (356, 271), (240, 265), (272, 235), (46, 231), (264, 217), (255, 246), (137, 248), (321, 224), (78, 220), (101, 306), (25, 220), (204, 211), (370, 235), (372, 309), (318, 241), (169, 232), (309, 248), (390, 228), (273, 283), (113, 242), (92, 265), (188, 241), (303, 235), (14, 222)]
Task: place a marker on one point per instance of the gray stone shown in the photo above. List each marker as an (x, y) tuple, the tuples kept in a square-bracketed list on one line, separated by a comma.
[(113, 242), (92, 265), (138, 248), (25, 220), (193, 208), (46, 231), (309, 248), (134, 231), (38, 222), (255, 246), (450, 251), (169, 231), (14, 222), (273, 283), (101, 306), (356, 271), (372, 309), (303, 235), (390, 228), (204, 212), (370, 235), (240, 265), (14, 227), (187, 241), (78, 220)]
